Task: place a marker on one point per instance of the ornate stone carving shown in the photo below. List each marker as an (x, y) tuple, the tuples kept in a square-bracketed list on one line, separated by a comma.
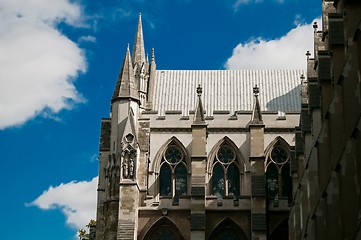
[(128, 157)]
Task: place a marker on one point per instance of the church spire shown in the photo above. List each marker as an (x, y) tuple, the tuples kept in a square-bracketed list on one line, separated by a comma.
[(199, 113), (138, 50), (256, 112), (126, 84), (151, 80), (152, 66)]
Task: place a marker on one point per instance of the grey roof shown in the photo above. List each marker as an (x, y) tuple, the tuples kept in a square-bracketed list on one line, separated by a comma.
[(227, 90)]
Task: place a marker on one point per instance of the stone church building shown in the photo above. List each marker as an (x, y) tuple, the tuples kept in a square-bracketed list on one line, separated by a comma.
[(327, 186), (197, 154)]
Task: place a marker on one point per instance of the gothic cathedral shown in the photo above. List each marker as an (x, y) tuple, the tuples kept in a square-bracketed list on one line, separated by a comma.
[(197, 154)]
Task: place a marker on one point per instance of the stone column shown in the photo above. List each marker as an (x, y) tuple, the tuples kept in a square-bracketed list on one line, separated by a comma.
[(199, 157), (258, 200)]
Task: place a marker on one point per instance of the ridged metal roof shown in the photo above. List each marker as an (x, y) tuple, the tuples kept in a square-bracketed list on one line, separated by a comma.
[(227, 90)]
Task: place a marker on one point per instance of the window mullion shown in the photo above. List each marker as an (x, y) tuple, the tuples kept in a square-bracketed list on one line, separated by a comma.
[(225, 182), (173, 183)]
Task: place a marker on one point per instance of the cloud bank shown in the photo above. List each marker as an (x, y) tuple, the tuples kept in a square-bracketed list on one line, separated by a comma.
[(38, 63), (77, 200), (286, 52), (239, 3)]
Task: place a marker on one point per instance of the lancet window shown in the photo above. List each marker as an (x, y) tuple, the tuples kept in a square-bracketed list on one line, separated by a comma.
[(226, 173), (173, 173)]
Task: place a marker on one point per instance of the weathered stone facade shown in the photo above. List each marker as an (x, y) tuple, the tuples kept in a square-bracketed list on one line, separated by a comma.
[(327, 185), (212, 172)]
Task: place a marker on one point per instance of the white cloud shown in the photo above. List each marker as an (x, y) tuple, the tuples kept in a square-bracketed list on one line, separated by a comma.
[(87, 38), (286, 52), (77, 200), (38, 63), (238, 3)]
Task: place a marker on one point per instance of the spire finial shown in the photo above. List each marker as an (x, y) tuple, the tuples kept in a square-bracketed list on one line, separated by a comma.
[(153, 57), (128, 47), (255, 91), (199, 112), (308, 54), (199, 90), (256, 113)]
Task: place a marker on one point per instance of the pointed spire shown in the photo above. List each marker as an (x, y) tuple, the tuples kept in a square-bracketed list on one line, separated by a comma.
[(126, 84), (256, 112), (151, 80), (199, 112), (138, 50)]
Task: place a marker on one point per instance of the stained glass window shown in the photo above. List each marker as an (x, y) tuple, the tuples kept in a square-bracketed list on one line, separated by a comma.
[(226, 174), (173, 173), (164, 232), (218, 180), (272, 180), (233, 180), (279, 155), (278, 173), (227, 234), (173, 155), (165, 180), (286, 181), (180, 180), (228, 230), (225, 155)]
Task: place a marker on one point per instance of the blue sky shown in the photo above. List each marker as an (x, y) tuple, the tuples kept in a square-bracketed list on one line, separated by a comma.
[(59, 61)]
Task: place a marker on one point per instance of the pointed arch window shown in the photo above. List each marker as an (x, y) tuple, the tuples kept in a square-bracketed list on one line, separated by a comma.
[(173, 173), (229, 230), (278, 173), (164, 229), (164, 233), (226, 173)]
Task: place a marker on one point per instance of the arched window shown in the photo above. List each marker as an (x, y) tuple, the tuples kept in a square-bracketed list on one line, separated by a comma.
[(229, 230), (226, 174), (164, 229), (173, 173), (163, 233), (278, 173)]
